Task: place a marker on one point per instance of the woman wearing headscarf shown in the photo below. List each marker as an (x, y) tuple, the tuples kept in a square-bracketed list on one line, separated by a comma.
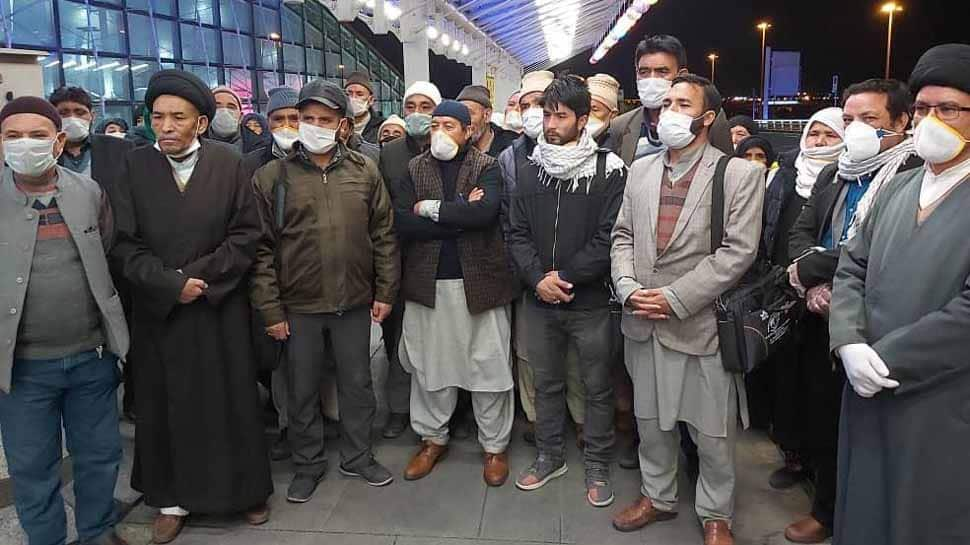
[(820, 146), (255, 133)]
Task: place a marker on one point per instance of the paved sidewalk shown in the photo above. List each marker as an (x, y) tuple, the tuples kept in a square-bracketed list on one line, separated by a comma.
[(454, 507)]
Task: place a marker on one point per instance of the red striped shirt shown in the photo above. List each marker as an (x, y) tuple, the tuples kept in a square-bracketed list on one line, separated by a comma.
[(672, 198)]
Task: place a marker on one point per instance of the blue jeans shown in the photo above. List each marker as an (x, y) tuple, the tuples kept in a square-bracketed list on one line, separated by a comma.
[(77, 392)]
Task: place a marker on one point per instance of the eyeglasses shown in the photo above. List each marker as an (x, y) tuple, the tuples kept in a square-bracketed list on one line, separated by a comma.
[(945, 112)]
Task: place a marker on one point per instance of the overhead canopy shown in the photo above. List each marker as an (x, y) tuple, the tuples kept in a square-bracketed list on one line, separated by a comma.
[(540, 33)]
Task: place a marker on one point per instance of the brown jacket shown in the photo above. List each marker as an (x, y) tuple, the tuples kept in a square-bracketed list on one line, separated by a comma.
[(489, 282), (336, 249)]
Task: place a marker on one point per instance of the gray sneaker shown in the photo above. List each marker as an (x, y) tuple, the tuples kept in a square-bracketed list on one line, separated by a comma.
[(599, 489), (541, 472), (374, 473), (302, 487)]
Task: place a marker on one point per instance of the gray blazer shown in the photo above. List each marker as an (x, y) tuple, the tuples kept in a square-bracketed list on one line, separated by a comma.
[(80, 201), (691, 277), (625, 133)]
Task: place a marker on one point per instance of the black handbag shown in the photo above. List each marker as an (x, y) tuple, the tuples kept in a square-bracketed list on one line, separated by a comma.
[(755, 317)]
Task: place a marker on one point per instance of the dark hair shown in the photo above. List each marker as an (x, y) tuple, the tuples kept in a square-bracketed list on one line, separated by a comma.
[(71, 94), (662, 43), (745, 121), (756, 141), (112, 121), (569, 91), (712, 97), (899, 101)]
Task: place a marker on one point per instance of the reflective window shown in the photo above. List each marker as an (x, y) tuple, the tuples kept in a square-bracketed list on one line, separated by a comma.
[(237, 49), (236, 15), (210, 74), (267, 51), (154, 7), (267, 21), (314, 62), (199, 43), (294, 81), (293, 60), (199, 11), (241, 81), (333, 64), (104, 79), (51, 67), (115, 111), (92, 28), (292, 26), (29, 22), (143, 38), (141, 72), (266, 81), (314, 37)]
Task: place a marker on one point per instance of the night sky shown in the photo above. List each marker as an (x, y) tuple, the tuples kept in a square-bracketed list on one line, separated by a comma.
[(845, 37)]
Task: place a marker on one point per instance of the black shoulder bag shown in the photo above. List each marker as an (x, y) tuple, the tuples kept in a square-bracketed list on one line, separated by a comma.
[(754, 317)]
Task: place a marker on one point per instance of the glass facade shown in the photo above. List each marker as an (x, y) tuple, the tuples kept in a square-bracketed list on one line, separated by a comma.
[(112, 47)]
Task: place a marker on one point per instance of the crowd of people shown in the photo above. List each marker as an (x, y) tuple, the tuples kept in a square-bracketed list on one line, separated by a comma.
[(555, 248)]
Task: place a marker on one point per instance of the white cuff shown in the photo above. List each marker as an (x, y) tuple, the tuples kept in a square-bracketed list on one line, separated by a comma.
[(174, 511)]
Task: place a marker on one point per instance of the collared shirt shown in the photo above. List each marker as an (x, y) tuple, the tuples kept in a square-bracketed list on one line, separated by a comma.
[(80, 163), (936, 186), (673, 193)]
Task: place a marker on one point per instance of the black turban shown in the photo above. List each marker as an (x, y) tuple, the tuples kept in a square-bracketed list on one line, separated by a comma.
[(181, 84), (756, 142), (744, 121), (946, 65)]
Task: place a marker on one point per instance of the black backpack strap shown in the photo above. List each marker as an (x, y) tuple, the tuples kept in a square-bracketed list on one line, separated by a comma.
[(601, 156), (717, 203)]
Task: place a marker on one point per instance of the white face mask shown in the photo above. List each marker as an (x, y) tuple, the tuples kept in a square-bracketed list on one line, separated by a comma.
[(862, 141), (936, 142), (29, 156), (225, 123), (285, 137), (75, 128), (443, 147), (674, 129), (513, 120), (359, 106), (118, 135), (652, 91), (317, 140), (595, 126), (532, 122)]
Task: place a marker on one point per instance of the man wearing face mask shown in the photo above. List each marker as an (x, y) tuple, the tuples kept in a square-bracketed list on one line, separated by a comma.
[(876, 114), (225, 125), (658, 60), (488, 137), (327, 264), (420, 100), (391, 129), (562, 212), (604, 91), (513, 117), (668, 278), (93, 155), (367, 120), (64, 331), (457, 286), (284, 123), (899, 323), (187, 234), (355, 142)]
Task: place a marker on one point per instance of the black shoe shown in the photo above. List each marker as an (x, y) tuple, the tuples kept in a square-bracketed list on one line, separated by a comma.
[(630, 457), (374, 473), (396, 425), (302, 487), (281, 448), (791, 474)]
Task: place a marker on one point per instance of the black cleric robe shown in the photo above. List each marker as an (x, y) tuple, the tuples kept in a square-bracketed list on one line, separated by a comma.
[(904, 289), (199, 440)]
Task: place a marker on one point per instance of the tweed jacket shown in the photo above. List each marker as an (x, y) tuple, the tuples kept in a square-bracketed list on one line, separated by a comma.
[(690, 275)]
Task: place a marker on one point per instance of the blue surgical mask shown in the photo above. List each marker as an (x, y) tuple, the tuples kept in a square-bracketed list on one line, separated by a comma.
[(417, 124)]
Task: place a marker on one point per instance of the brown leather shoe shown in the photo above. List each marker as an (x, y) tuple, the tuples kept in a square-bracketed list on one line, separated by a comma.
[(640, 514), (257, 515), (424, 461), (807, 530), (166, 528), (717, 532), (496, 469)]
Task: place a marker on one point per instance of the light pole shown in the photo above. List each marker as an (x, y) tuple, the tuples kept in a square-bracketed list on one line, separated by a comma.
[(891, 8), (713, 58), (763, 27)]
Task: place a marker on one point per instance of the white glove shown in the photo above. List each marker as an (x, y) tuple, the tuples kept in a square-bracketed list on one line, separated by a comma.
[(867, 372)]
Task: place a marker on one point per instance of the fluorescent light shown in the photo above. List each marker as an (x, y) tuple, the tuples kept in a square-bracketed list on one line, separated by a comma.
[(464, 50), (370, 4), (432, 33), (445, 39), (456, 46), (121, 68), (107, 66), (52, 64), (623, 25), (139, 67), (558, 19), (42, 57), (69, 64)]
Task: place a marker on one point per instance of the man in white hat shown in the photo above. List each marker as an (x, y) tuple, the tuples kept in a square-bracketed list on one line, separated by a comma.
[(420, 100), (391, 129), (604, 106)]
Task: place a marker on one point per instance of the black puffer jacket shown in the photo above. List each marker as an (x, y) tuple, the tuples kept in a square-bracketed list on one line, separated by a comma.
[(781, 209)]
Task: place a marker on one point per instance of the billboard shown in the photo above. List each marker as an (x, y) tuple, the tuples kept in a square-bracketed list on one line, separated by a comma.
[(784, 77)]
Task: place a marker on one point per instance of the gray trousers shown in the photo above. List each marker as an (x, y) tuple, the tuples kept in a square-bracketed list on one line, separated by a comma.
[(398, 386), (494, 412), (350, 341), (660, 455), (553, 329)]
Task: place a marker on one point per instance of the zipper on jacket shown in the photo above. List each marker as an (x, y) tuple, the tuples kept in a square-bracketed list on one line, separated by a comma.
[(555, 228)]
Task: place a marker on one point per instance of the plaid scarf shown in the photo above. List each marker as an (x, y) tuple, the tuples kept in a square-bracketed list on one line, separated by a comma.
[(572, 164), (887, 163)]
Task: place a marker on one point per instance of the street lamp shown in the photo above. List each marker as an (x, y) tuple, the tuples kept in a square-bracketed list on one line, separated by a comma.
[(891, 8), (763, 27), (713, 58)]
